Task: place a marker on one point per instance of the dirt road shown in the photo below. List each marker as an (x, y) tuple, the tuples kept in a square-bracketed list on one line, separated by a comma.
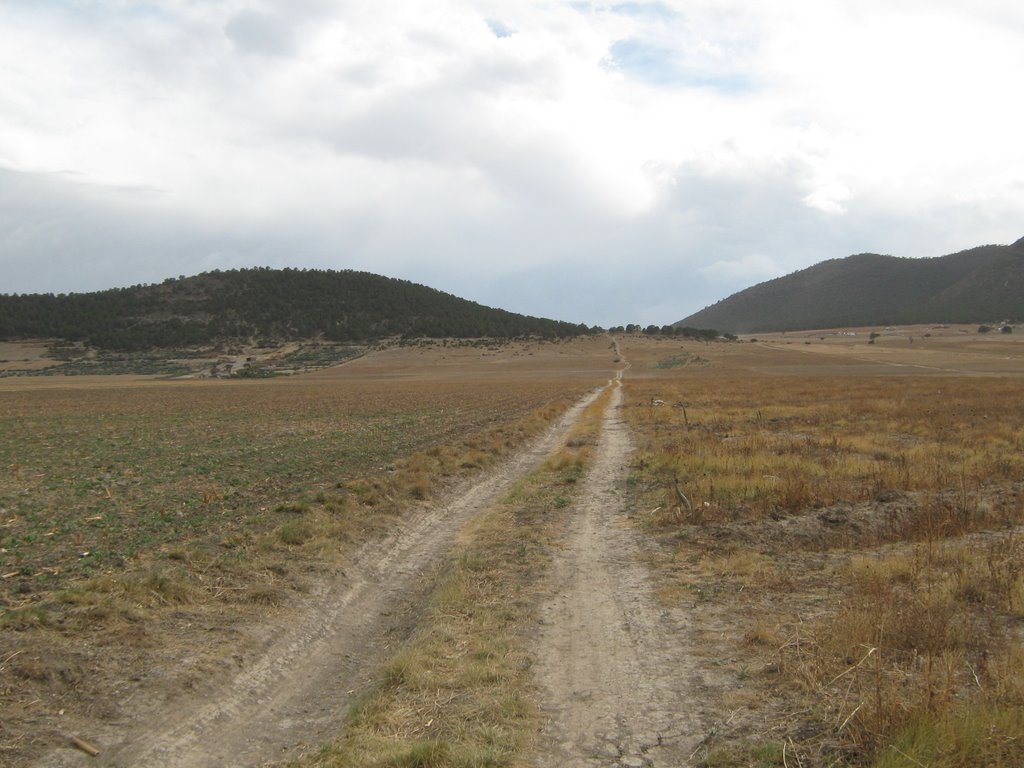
[(618, 688), (293, 697)]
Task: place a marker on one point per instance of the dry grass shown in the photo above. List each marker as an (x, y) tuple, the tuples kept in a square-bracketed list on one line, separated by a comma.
[(751, 448), (925, 647), (851, 541)]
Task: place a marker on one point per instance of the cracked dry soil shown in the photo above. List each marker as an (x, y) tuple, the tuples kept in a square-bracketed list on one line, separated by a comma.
[(618, 686)]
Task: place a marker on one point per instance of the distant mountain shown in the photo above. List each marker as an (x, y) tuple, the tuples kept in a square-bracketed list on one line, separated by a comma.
[(262, 303), (983, 284)]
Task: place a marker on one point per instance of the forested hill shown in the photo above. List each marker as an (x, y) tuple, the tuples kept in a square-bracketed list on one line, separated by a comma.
[(262, 303), (980, 285)]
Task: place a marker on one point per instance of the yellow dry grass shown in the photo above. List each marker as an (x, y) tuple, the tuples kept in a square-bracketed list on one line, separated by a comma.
[(851, 520)]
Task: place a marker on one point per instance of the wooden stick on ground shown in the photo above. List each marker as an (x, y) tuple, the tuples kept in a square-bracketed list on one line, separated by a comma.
[(85, 746)]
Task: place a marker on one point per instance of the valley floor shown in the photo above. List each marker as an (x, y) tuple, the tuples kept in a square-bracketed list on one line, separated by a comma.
[(771, 553)]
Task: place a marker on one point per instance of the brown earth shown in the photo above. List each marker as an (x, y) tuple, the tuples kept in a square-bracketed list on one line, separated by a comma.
[(620, 682), (25, 355)]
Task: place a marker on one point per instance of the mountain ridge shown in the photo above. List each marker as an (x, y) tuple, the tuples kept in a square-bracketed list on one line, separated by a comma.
[(977, 285)]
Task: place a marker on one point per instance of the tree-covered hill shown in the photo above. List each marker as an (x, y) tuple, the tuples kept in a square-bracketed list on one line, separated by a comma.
[(262, 303), (980, 285)]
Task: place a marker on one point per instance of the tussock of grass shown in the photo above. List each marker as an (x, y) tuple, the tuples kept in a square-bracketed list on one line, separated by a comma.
[(296, 532), (976, 735), (746, 567), (149, 588)]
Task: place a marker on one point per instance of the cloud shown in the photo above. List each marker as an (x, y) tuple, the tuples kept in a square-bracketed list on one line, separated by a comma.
[(260, 32), (829, 198), (653, 155), (749, 269)]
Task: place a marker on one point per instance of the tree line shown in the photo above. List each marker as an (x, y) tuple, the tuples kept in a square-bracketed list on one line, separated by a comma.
[(685, 331)]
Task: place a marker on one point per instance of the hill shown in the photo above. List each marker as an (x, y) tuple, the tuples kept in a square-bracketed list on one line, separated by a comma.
[(262, 303), (979, 285)]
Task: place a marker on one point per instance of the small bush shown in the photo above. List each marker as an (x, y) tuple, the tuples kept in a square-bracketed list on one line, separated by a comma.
[(295, 533)]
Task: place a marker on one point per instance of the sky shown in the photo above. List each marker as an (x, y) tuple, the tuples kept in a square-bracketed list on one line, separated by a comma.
[(602, 163)]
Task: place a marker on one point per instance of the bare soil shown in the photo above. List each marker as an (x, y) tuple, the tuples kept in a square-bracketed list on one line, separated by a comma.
[(620, 684), (24, 355)]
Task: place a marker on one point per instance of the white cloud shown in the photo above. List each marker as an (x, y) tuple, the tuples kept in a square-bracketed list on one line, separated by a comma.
[(749, 269), (828, 197), (471, 144)]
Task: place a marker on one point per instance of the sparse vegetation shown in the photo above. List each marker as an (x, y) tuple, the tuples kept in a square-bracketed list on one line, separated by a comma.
[(844, 539), (97, 477), (682, 359), (217, 360)]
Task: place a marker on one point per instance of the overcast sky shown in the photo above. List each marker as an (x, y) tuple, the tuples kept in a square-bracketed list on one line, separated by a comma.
[(593, 162)]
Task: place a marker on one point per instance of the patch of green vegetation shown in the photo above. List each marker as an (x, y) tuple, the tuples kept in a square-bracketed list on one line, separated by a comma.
[(985, 734), (254, 372), (319, 355), (759, 755), (680, 360), (79, 362)]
